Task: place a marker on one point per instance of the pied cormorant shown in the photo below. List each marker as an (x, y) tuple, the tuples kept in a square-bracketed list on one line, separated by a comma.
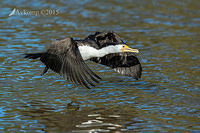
[(67, 56)]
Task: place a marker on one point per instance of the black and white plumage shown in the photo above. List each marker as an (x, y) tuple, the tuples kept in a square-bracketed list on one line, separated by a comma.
[(66, 57), (125, 63)]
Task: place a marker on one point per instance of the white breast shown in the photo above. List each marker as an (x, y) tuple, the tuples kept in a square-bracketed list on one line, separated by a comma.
[(87, 52)]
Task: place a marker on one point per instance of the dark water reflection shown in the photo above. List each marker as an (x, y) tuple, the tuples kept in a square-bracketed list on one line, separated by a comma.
[(165, 99)]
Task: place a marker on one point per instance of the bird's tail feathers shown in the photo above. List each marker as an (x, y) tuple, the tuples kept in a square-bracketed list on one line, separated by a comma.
[(33, 56)]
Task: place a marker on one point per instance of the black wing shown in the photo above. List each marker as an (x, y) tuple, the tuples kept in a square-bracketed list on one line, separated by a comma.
[(64, 58), (124, 63), (104, 37)]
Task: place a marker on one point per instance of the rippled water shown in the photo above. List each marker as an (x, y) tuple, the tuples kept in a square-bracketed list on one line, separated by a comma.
[(167, 98)]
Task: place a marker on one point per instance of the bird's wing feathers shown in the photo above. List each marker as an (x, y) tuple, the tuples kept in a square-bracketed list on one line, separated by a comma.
[(64, 58), (124, 63), (105, 37)]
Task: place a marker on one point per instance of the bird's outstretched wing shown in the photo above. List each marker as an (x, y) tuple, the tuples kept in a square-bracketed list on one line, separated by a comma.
[(104, 37), (64, 58), (124, 63)]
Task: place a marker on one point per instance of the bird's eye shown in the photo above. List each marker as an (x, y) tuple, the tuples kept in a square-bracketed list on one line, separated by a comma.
[(123, 46)]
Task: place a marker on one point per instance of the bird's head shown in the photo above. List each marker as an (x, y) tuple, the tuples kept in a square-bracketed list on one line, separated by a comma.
[(118, 48), (125, 48)]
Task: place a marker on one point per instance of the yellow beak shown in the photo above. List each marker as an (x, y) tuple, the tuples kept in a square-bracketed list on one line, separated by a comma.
[(127, 49)]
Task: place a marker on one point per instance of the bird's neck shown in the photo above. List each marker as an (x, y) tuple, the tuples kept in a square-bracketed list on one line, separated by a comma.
[(88, 52)]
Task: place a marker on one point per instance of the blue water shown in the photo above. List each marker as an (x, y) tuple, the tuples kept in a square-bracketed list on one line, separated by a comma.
[(165, 99)]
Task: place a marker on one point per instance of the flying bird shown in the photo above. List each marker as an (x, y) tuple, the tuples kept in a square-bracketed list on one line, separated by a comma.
[(67, 57)]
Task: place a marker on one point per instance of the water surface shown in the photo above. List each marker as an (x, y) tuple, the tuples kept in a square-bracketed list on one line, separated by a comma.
[(167, 98)]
